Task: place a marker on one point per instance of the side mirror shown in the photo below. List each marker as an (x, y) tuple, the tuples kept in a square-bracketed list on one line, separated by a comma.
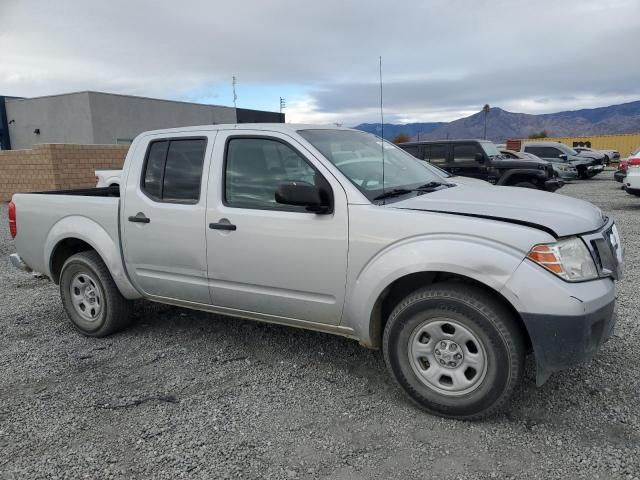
[(301, 194), (562, 156), (479, 157)]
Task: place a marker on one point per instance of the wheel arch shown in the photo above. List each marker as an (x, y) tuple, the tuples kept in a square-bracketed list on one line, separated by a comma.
[(520, 175), (403, 286), (87, 235)]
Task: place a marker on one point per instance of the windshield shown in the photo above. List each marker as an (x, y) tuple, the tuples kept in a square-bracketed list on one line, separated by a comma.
[(490, 149), (358, 155), (565, 149)]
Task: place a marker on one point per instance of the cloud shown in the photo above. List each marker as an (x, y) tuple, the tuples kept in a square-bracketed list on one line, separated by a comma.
[(441, 58)]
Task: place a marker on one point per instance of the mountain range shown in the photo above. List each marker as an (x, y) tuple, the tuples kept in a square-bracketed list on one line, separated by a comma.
[(502, 124)]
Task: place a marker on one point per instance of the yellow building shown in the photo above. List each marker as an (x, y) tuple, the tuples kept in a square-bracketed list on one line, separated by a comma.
[(625, 143)]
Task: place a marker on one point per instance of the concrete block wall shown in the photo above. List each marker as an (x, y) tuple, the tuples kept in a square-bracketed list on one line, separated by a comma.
[(55, 167)]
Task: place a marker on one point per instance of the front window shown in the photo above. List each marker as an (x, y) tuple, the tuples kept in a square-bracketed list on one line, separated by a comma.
[(358, 155), (256, 166), (490, 149)]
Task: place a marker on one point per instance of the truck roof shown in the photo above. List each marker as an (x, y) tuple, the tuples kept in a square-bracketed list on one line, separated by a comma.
[(272, 127)]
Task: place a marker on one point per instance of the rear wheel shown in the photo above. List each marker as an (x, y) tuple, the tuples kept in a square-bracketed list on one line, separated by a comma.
[(90, 297), (454, 350)]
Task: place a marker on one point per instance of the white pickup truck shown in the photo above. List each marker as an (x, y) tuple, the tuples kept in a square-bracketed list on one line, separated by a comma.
[(334, 230), (108, 178)]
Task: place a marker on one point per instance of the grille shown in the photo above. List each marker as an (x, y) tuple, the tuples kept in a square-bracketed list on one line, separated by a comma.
[(608, 251)]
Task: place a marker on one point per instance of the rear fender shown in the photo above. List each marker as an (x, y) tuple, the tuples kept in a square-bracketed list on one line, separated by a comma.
[(95, 235)]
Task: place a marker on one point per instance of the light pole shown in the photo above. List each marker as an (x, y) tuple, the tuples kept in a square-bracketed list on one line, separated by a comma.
[(283, 103), (485, 109)]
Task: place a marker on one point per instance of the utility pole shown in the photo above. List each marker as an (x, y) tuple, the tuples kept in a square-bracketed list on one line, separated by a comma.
[(485, 109), (283, 103), (235, 97)]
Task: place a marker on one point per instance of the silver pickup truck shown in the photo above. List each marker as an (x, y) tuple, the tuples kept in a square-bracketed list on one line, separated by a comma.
[(332, 229)]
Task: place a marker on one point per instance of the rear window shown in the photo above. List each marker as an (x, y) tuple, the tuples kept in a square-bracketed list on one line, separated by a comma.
[(173, 170)]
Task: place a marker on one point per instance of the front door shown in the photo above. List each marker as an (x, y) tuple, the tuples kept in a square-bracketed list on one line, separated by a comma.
[(163, 220), (268, 258)]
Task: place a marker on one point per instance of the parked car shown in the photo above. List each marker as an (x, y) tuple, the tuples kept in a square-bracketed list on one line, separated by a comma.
[(108, 178), (623, 166), (556, 152), (609, 155), (481, 159), (621, 172), (632, 179), (334, 230), (564, 171)]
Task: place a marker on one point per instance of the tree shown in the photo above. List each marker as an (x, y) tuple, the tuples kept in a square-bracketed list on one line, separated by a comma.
[(401, 138), (541, 134)]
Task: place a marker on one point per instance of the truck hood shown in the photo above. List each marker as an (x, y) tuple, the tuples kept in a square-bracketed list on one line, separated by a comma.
[(556, 214), (591, 155)]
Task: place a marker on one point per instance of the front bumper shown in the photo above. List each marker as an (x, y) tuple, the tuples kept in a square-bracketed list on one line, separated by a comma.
[(17, 262), (553, 185), (568, 322), (568, 175), (594, 169), (563, 341)]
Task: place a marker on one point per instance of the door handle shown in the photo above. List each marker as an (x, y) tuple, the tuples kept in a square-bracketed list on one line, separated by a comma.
[(139, 218), (222, 225)]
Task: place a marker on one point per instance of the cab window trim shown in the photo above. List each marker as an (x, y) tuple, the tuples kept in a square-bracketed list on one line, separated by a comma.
[(164, 165), (285, 208)]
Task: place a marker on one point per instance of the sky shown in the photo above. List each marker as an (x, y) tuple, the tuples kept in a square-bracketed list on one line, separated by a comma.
[(441, 59)]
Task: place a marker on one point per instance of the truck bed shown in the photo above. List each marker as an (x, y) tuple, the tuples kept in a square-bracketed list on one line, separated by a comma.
[(113, 191), (45, 218)]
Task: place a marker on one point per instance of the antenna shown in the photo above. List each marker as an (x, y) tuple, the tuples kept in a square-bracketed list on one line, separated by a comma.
[(283, 104), (235, 97), (381, 125)]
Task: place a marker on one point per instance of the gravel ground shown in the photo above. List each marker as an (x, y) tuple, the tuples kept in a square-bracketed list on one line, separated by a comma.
[(188, 394)]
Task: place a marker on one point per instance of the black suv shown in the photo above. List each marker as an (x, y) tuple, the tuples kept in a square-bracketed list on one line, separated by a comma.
[(481, 159)]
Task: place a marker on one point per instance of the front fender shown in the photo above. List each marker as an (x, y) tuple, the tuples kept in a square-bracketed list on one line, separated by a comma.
[(487, 262), (534, 173), (95, 235)]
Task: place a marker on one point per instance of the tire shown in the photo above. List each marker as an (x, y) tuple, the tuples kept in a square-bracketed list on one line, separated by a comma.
[(90, 297), (525, 185), (450, 313)]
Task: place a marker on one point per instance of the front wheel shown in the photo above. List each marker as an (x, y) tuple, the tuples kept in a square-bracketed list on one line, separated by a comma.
[(454, 350), (90, 297)]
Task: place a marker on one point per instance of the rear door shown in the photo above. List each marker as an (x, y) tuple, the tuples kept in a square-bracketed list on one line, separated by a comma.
[(464, 160), (272, 259), (438, 154), (163, 218)]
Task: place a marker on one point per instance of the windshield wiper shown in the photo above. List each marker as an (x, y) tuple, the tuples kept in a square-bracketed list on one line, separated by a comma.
[(427, 187), (394, 193), (432, 185)]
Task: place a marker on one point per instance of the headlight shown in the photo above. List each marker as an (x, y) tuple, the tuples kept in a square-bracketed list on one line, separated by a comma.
[(568, 258)]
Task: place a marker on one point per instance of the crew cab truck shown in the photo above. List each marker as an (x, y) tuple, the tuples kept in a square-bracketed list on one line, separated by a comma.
[(481, 159), (334, 230)]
